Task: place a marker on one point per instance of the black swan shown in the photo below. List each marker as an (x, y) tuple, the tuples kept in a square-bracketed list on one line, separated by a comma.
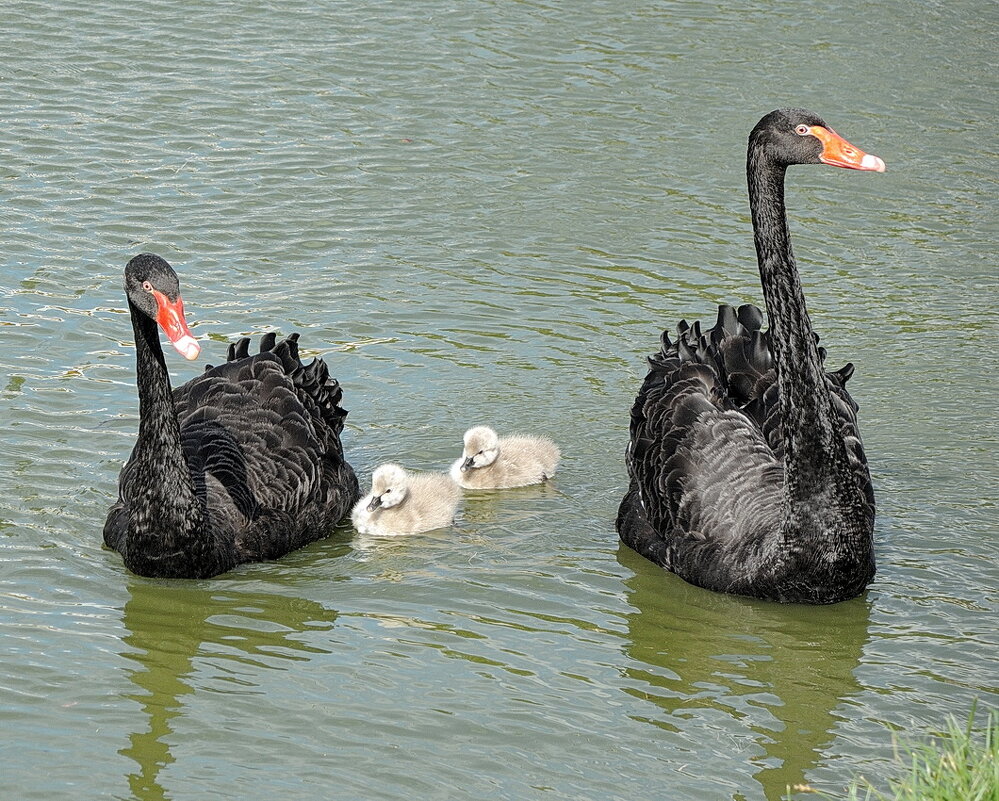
[(747, 473), (241, 464)]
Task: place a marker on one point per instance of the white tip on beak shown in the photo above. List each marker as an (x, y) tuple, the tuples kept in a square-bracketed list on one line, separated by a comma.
[(872, 163), (188, 347)]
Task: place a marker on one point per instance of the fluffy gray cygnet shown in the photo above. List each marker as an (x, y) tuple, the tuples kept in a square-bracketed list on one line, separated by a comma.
[(401, 502), (493, 462)]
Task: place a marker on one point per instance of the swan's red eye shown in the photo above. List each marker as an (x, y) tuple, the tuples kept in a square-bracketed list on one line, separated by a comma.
[(147, 286), (801, 130)]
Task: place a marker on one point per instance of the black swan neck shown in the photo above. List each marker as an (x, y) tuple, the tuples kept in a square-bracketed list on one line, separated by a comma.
[(815, 454), (168, 510)]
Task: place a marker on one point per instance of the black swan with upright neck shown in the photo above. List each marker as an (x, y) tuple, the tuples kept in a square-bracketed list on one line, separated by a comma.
[(241, 464), (747, 473)]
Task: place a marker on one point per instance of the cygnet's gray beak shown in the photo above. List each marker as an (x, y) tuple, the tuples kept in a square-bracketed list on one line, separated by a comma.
[(375, 503), (468, 464)]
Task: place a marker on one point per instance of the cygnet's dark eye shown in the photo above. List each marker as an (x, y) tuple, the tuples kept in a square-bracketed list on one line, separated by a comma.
[(801, 130), (147, 286)]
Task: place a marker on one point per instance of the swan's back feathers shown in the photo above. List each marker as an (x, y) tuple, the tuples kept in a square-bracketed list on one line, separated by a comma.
[(313, 383), (706, 452)]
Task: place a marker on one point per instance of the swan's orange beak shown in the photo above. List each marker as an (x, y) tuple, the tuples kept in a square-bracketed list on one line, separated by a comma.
[(170, 316), (837, 152)]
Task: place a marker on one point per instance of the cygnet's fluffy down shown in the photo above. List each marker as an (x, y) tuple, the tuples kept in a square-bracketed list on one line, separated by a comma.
[(401, 502), (493, 462)]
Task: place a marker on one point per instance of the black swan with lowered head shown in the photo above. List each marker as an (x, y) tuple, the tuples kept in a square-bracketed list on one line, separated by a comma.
[(241, 464), (747, 473)]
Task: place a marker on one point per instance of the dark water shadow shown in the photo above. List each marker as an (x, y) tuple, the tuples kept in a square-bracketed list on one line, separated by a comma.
[(171, 624), (777, 672)]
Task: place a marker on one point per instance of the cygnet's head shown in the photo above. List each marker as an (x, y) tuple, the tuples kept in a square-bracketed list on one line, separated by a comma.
[(481, 448), (389, 487)]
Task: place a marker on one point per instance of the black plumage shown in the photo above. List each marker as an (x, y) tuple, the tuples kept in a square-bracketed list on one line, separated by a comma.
[(747, 472), (242, 463)]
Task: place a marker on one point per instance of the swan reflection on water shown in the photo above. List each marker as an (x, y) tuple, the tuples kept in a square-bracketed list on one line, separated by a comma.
[(725, 664), (172, 627)]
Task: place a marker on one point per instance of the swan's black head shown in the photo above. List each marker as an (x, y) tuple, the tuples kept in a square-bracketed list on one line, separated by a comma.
[(152, 287), (796, 136)]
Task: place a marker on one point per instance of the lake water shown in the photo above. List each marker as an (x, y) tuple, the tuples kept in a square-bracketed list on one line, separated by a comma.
[(485, 211)]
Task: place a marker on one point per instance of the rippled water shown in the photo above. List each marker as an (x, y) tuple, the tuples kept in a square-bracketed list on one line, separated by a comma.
[(484, 212)]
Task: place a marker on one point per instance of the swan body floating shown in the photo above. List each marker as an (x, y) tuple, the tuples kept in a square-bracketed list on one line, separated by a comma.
[(747, 472), (241, 464), (401, 502), (489, 461)]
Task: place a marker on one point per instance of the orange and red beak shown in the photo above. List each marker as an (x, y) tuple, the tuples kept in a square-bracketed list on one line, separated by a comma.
[(837, 152), (170, 316)]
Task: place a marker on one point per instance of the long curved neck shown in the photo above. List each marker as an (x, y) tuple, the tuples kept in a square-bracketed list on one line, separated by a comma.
[(815, 453), (167, 511)]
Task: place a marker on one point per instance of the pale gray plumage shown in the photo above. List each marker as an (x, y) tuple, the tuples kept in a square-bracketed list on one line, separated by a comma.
[(489, 461), (401, 502)]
